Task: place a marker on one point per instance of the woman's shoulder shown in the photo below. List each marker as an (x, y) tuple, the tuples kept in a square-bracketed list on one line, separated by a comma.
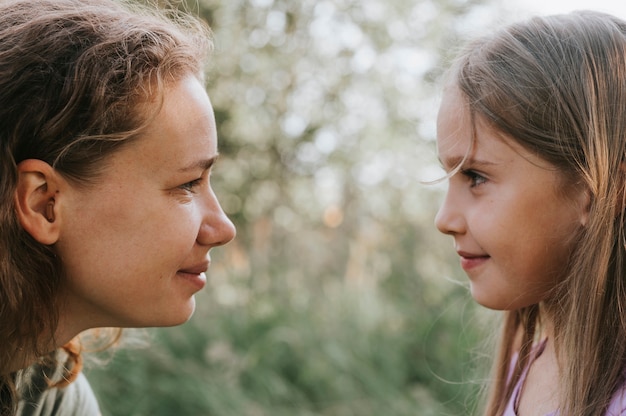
[(38, 399)]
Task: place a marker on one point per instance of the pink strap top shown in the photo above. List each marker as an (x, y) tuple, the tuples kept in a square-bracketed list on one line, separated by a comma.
[(616, 408)]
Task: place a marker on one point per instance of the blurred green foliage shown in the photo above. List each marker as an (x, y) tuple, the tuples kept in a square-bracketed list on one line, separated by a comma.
[(338, 297)]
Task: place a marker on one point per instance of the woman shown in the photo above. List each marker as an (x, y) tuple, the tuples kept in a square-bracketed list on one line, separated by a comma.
[(107, 139)]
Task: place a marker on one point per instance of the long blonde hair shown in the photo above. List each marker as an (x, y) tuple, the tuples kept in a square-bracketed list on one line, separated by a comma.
[(557, 85)]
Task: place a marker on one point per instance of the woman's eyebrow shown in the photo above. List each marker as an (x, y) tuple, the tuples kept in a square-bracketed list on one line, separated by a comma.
[(202, 164)]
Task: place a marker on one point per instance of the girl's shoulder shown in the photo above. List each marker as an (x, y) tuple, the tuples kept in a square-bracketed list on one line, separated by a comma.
[(618, 402)]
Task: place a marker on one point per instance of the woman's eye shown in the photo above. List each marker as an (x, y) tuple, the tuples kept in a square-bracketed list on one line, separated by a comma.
[(474, 178), (191, 185)]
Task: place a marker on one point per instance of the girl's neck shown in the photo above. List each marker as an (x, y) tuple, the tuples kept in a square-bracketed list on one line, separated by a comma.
[(540, 391), (545, 326)]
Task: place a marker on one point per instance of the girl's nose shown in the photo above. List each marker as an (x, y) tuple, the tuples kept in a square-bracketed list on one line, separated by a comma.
[(449, 219)]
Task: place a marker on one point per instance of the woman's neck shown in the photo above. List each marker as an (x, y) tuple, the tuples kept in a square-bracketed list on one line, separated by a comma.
[(24, 355)]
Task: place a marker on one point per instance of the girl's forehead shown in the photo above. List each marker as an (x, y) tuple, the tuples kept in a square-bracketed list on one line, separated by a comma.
[(454, 125)]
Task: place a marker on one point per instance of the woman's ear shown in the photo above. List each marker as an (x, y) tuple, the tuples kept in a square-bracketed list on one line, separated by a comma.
[(36, 200)]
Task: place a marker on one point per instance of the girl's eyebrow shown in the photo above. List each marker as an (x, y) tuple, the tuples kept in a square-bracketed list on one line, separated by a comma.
[(456, 161), (202, 164)]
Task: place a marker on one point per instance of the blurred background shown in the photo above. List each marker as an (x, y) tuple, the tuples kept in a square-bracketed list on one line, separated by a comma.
[(338, 296)]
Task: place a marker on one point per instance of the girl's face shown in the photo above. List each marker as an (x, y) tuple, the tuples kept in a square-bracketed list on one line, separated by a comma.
[(513, 230), (135, 245)]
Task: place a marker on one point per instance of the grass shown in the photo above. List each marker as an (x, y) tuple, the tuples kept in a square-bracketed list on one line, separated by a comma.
[(346, 351)]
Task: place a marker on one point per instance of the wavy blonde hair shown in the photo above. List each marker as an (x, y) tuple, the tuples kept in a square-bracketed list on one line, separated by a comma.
[(73, 77), (557, 86)]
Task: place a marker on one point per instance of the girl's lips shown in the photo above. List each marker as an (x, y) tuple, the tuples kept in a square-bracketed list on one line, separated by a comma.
[(470, 261)]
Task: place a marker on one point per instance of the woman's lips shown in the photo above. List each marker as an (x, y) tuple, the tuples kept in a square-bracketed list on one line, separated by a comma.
[(196, 269), (195, 275), (198, 280)]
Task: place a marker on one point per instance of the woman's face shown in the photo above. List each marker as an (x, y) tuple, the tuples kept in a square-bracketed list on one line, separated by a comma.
[(135, 245), (513, 230)]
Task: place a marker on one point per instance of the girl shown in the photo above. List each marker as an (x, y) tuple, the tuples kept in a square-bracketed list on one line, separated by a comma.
[(531, 131), (107, 139)]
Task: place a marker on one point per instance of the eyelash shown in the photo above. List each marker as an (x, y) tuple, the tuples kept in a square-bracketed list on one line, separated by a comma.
[(475, 178), (191, 185)]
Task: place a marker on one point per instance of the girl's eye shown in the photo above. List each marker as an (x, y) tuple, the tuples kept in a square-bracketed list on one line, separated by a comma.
[(191, 185), (474, 178)]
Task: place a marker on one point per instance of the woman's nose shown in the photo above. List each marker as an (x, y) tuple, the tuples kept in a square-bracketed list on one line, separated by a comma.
[(216, 229)]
